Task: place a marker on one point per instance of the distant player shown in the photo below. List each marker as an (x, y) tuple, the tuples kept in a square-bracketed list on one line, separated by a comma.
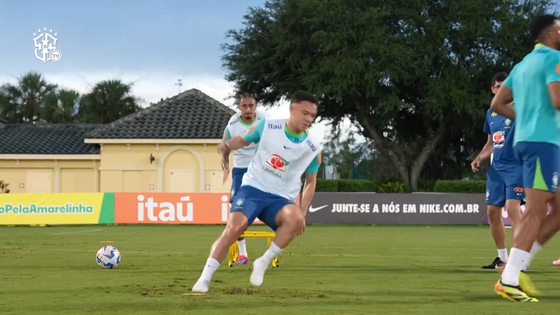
[(285, 152), (504, 179), (534, 88), (238, 125)]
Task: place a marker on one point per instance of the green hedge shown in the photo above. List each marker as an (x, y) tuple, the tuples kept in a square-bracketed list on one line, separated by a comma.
[(362, 185)]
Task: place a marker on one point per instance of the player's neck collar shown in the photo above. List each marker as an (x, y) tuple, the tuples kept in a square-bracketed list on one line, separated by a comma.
[(539, 45)]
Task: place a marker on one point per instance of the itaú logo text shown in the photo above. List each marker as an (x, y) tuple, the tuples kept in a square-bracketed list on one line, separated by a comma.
[(181, 211)]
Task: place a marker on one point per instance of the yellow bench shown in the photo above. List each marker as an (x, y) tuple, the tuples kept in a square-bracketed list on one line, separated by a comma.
[(234, 248)]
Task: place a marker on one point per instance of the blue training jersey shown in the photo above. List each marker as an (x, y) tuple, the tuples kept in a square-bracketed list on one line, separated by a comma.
[(535, 116), (501, 131)]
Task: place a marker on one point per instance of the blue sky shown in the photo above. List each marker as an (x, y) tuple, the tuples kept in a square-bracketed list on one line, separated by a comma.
[(152, 43)]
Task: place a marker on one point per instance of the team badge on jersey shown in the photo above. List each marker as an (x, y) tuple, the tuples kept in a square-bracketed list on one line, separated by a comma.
[(498, 138), (277, 163)]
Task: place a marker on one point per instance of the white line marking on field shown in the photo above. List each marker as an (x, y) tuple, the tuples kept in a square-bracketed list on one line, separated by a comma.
[(77, 232)]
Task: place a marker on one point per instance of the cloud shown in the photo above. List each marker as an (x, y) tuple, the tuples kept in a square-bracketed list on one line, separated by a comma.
[(151, 87)]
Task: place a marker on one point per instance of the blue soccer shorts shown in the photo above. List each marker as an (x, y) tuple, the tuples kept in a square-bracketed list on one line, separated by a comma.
[(541, 164), (236, 180), (255, 203), (506, 184)]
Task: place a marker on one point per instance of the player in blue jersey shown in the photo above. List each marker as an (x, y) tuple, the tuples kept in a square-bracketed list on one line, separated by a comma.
[(534, 87), (285, 152), (504, 181)]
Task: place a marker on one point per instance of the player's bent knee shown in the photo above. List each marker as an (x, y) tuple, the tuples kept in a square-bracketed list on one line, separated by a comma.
[(494, 212), (290, 216)]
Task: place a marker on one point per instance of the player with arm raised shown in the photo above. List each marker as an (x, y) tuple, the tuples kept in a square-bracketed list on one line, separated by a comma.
[(238, 125), (504, 182), (534, 87), (285, 152)]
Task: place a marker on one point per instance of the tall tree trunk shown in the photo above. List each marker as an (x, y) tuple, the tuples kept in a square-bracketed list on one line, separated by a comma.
[(390, 151), (421, 159)]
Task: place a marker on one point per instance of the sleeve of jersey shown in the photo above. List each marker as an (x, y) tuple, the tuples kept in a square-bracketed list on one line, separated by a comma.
[(552, 67), (314, 166), (486, 126), (254, 135), (227, 135)]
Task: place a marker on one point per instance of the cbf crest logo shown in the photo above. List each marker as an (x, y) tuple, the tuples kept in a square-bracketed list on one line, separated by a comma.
[(508, 123), (45, 45)]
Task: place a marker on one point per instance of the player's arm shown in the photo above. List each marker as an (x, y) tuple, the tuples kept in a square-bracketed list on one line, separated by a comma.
[(310, 184), (488, 147), (553, 78), (486, 150), (502, 103), (252, 136), (226, 137)]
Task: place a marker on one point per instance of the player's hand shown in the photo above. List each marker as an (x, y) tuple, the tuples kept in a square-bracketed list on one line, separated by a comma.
[(225, 168), (223, 149), (302, 229), (475, 165)]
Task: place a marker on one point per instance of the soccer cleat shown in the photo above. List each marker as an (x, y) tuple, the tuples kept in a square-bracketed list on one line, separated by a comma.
[(496, 264), (242, 260), (527, 285), (556, 262), (201, 286), (259, 267), (512, 293)]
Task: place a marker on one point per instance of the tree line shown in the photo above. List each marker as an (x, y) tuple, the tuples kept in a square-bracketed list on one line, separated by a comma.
[(413, 76), (34, 100)]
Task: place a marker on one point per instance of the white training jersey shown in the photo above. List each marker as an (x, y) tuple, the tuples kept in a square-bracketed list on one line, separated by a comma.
[(278, 163), (242, 157)]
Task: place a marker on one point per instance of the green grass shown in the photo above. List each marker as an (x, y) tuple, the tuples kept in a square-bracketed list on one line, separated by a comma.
[(328, 270)]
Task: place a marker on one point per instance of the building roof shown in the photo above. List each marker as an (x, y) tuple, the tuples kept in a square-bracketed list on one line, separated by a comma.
[(189, 115), (3, 121), (46, 139)]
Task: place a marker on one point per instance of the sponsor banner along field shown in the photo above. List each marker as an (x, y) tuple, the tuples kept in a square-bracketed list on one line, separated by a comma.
[(214, 208), (172, 208), (54, 209), (397, 209)]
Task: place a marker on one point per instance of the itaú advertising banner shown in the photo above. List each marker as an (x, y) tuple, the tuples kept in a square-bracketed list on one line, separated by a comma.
[(55, 209), (397, 209), (172, 208)]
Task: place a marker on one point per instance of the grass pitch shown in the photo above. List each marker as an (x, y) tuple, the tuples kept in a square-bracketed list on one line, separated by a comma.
[(328, 270)]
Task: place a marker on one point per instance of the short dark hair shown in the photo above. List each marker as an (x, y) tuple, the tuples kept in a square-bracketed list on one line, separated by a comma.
[(241, 96), (541, 23), (304, 96), (498, 77)]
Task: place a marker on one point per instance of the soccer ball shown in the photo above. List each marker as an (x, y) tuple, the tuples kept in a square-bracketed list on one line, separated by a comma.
[(108, 257)]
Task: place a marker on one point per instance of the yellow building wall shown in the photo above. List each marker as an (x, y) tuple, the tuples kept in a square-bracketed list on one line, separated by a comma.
[(176, 168), (50, 176), (123, 168)]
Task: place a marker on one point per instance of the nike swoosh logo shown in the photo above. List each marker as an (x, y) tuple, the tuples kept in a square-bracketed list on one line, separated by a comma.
[(285, 147), (311, 209)]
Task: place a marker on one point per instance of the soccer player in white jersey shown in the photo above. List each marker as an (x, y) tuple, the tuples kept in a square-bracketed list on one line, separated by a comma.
[(238, 125), (285, 152)]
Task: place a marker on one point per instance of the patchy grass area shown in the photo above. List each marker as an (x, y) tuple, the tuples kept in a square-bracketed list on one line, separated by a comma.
[(328, 270)]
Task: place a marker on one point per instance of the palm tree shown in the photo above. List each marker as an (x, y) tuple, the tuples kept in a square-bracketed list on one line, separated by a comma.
[(60, 106), (24, 102), (108, 101)]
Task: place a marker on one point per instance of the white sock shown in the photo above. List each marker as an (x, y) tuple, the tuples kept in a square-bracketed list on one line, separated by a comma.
[(211, 266), (534, 250), (272, 252), (502, 253), (242, 247), (518, 259)]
